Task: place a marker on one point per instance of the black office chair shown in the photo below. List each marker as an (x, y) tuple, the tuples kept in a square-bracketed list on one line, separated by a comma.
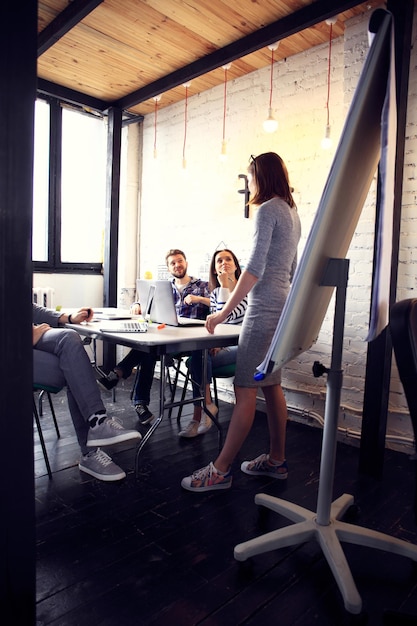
[(173, 362), (403, 329), (48, 390), (226, 371)]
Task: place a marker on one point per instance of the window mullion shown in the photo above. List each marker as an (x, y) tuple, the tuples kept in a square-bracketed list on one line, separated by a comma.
[(54, 231)]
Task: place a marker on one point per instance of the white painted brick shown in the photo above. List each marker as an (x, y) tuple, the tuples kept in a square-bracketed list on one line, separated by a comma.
[(200, 207)]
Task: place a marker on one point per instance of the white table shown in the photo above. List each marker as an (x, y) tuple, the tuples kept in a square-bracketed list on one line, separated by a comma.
[(162, 342)]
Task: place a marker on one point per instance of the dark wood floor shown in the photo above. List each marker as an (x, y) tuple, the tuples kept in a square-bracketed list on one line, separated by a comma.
[(146, 552)]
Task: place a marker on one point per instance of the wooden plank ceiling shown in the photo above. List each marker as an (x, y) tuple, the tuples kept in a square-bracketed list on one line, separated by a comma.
[(123, 53)]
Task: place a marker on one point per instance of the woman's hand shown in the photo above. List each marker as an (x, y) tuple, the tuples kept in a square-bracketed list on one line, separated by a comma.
[(214, 319), (135, 309), (227, 279), (38, 331)]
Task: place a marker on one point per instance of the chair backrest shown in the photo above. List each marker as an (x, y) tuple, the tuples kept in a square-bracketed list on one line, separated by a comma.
[(225, 371)]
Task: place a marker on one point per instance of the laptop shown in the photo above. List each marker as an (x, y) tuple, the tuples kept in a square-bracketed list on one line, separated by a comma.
[(134, 326), (157, 303)]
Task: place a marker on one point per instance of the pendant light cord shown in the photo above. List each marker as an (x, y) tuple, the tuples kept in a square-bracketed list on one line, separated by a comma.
[(155, 122), (185, 121), (224, 102), (271, 83), (328, 76)]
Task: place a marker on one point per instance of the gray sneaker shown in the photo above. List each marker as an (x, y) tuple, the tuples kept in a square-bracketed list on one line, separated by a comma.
[(109, 432), (98, 464)]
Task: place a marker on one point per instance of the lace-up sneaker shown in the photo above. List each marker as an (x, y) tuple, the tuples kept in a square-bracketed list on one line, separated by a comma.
[(207, 479), (191, 430), (109, 382), (98, 464), (109, 432), (144, 414), (262, 466)]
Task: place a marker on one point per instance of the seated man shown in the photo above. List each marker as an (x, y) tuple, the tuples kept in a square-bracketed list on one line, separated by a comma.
[(192, 299), (59, 359)]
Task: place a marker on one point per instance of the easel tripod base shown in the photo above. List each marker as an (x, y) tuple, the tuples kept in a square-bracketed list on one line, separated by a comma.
[(328, 536)]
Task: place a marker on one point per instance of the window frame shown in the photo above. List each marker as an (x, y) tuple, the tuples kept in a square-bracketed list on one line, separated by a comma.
[(54, 263)]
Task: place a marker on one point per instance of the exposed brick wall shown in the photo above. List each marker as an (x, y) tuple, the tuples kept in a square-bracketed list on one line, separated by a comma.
[(199, 208)]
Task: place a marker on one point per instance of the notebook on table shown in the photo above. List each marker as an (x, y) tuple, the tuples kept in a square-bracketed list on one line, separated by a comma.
[(157, 303), (112, 314)]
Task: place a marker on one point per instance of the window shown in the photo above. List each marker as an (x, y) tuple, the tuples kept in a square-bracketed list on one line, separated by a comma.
[(83, 188), (69, 189)]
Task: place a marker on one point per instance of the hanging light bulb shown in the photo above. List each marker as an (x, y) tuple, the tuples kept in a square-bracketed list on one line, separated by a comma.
[(184, 160), (326, 142), (271, 124), (156, 99), (223, 152)]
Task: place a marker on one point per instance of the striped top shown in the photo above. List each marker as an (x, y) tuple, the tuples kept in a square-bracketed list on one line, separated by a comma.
[(218, 298)]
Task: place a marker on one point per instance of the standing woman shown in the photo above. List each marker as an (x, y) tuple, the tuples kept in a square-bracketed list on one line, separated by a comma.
[(266, 278)]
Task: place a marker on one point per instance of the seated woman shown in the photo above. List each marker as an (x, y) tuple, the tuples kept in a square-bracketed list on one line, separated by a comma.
[(224, 273)]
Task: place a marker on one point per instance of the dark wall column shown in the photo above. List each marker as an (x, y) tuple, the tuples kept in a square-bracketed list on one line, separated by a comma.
[(18, 56), (379, 358), (111, 235)]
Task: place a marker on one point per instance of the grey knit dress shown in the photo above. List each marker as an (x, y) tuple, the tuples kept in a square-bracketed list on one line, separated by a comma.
[(276, 236)]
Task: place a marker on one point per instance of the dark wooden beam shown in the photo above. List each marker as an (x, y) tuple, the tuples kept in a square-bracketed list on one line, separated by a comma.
[(64, 21), (46, 88), (299, 20)]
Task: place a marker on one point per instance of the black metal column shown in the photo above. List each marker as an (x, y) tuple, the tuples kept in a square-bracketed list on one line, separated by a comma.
[(18, 56), (378, 368), (111, 236)]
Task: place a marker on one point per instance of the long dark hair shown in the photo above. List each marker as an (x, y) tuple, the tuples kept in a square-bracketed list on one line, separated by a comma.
[(213, 280), (271, 178)]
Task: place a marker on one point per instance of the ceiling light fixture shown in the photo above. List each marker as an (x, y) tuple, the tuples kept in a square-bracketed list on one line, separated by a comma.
[(184, 160), (156, 100), (270, 124), (326, 142), (223, 152)]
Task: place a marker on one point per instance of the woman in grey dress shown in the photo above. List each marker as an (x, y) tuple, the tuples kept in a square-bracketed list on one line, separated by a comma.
[(266, 278)]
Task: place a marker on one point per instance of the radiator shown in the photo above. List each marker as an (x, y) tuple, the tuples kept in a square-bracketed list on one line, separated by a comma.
[(44, 296)]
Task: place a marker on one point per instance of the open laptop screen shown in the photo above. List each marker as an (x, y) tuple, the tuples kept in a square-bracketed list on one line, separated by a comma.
[(157, 302)]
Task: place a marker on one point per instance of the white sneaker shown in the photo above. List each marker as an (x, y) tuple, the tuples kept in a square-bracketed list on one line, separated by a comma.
[(191, 430), (206, 422)]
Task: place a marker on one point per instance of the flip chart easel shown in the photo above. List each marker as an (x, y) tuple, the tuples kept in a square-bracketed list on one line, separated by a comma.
[(324, 525), (323, 268)]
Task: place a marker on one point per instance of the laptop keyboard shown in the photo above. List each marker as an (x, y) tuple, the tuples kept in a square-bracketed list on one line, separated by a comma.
[(126, 327)]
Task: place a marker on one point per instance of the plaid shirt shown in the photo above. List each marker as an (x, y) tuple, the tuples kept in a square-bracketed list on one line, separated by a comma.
[(195, 287)]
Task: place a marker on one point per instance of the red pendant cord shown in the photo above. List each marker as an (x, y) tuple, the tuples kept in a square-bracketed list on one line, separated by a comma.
[(224, 103), (272, 71), (185, 121), (328, 76)]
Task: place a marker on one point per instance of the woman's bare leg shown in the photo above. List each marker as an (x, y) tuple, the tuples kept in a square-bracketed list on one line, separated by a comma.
[(239, 427), (198, 409)]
